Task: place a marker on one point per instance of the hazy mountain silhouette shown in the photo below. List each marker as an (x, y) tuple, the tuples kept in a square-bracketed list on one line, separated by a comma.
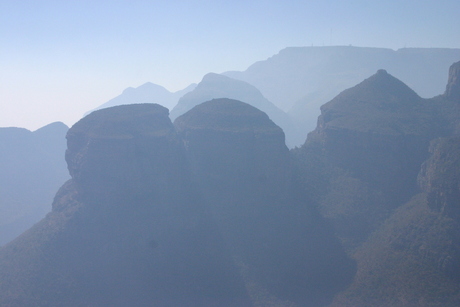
[(147, 93), (245, 171), (33, 168), (141, 223), (300, 79), (391, 196), (374, 136), (214, 210), (218, 86), (128, 228)]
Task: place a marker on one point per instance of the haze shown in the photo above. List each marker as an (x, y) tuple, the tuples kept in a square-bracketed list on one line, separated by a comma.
[(60, 59)]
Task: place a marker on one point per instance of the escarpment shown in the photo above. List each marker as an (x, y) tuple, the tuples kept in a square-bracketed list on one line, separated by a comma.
[(245, 171), (453, 83), (129, 228), (372, 138), (207, 215)]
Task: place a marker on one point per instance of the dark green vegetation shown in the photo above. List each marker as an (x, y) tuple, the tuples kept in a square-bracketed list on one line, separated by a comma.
[(32, 169), (214, 210)]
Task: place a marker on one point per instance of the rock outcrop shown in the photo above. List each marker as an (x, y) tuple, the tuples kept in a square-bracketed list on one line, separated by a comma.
[(388, 177), (453, 84), (245, 171), (208, 215), (373, 138), (129, 228), (413, 259), (440, 176)]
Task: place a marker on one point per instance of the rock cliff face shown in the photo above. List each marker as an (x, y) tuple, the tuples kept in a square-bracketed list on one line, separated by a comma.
[(244, 169), (453, 84), (440, 176), (128, 228), (388, 168), (120, 153), (206, 216), (373, 138), (413, 259)]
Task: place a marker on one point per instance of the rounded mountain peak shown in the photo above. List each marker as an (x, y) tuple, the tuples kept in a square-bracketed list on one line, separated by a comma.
[(225, 114), (380, 103)]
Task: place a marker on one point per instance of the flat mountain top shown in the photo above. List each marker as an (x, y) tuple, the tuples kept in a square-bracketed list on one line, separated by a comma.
[(117, 122)]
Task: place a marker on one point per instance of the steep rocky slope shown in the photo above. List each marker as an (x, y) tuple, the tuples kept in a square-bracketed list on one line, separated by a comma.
[(207, 216), (383, 166), (245, 172), (370, 141), (414, 258), (127, 229)]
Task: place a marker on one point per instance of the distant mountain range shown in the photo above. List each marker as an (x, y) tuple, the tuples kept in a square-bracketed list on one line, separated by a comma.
[(218, 86), (147, 93), (213, 209), (32, 169), (298, 80)]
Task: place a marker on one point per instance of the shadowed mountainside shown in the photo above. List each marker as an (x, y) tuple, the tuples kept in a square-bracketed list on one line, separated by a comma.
[(299, 80), (245, 172), (138, 224), (33, 168), (383, 166), (127, 229)]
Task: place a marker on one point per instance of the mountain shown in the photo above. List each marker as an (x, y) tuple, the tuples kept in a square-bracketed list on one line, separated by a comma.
[(374, 137), (144, 220), (33, 168), (245, 172), (127, 229), (453, 84), (382, 166), (300, 79), (147, 93), (219, 86), (414, 259)]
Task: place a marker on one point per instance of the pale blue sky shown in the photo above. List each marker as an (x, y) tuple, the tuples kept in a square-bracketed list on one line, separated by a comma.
[(59, 59)]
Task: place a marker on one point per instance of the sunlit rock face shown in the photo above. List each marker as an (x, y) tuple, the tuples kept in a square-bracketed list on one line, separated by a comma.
[(129, 228), (453, 84), (243, 166)]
